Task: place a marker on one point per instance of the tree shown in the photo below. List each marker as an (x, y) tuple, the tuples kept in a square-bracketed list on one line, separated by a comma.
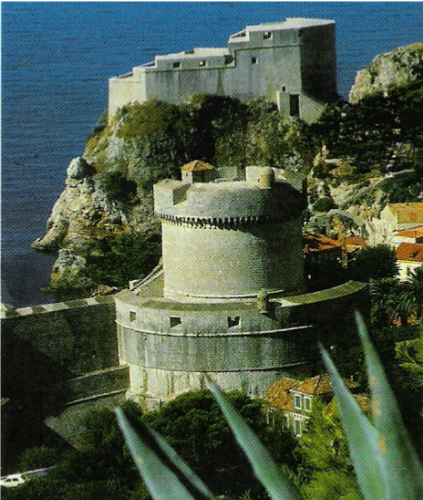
[(325, 468), (38, 458), (375, 263), (195, 427)]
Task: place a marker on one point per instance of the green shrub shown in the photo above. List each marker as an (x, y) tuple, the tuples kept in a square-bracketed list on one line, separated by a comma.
[(324, 204)]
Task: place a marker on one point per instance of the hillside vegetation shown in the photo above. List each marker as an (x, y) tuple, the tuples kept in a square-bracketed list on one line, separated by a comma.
[(360, 155)]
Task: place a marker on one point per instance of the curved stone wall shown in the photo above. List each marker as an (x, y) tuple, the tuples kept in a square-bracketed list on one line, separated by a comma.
[(219, 263)]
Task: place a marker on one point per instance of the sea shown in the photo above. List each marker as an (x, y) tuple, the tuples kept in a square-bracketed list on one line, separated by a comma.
[(56, 61)]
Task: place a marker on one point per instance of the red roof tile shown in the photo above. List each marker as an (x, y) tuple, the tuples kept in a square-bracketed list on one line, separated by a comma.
[(416, 232), (412, 252), (196, 166), (407, 212)]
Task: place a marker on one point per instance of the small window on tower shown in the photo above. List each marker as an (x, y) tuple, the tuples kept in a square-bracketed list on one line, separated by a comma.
[(267, 35), (203, 64), (175, 321), (233, 321), (176, 65), (132, 315), (254, 60)]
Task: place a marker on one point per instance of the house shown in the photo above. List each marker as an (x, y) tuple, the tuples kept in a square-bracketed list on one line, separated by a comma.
[(394, 217), (409, 257), (290, 401), (414, 235)]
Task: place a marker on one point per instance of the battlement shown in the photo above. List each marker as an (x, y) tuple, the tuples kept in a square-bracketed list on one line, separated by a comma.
[(224, 201)]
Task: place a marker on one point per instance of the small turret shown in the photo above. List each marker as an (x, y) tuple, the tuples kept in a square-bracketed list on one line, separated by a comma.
[(267, 178), (198, 171)]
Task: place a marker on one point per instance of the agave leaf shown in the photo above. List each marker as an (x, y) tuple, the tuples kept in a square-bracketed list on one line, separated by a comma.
[(162, 482), (402, 469), (363, 438), (268, 472)]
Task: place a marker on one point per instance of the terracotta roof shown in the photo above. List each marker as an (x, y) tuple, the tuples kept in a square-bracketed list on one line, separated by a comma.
[(355, 241), (319, 243), (412, 252), (196, 166), (407, 212), (278, 395), (416, 232)]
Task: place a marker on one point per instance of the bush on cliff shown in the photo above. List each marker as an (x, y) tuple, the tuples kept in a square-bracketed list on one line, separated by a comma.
[(127, 257)]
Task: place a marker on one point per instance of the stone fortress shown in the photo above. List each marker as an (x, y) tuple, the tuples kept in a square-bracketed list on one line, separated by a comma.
[(291, 63), (229, 300)]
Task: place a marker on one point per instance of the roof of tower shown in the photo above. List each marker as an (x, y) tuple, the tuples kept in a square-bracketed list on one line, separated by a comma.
[(197, 166)]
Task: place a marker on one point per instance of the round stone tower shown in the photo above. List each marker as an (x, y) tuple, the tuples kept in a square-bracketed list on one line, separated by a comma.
[(228, 301), (226, 241)]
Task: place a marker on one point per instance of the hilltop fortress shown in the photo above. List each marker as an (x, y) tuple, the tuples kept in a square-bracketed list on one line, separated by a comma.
[(229, 300), (292, 63)]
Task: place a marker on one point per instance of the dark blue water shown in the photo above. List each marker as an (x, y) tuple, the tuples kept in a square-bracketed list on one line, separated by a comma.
[(57, 57)]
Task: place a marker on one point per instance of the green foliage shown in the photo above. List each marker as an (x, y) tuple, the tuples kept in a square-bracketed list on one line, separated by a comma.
[(38, 458), (158, 138), (324, 204), (117, 186), (195, 427), (374, 263), (124, 258), (404, 188), (367, 132), (323, 447)]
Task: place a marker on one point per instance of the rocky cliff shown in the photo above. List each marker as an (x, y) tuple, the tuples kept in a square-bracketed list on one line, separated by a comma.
[(400, 66)]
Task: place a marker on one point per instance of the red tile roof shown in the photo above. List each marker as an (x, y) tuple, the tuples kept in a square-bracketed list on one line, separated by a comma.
[(280, 393), (407, 212), (355, 241), (416, 232), (319, 242), (196, 166), (412, 252)]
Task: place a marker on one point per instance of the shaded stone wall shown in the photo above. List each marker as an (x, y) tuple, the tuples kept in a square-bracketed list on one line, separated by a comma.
[(52, 356)]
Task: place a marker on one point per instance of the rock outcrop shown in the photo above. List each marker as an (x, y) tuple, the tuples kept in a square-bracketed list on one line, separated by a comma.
[(402, 65), (83, 215)]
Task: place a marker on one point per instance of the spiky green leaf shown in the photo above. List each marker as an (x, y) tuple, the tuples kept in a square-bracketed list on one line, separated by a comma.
[(162, 470), (363, 439), (403, 472)]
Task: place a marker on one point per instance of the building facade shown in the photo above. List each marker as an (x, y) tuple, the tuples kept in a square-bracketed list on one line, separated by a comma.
[(229, 300), (292, 63)]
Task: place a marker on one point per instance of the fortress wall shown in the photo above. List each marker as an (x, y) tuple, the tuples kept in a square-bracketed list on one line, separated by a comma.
[(52, 343), (124, 91), (318, 61), (160, 386), (248, 352), (211, 261), (54, 355), (176, 85)]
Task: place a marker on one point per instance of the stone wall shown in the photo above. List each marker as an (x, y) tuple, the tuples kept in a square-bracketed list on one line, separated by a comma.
[(295, 57), (53, 356)]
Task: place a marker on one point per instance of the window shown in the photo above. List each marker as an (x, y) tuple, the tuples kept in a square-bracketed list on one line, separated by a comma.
[(176, 65), (297, 427), (233, 321), (132, 315), (267, 35), (285, 422), (284, 89), (254, 60), (307, 404), (203, 64), (229, 59), (297, 402), (175, 321)]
